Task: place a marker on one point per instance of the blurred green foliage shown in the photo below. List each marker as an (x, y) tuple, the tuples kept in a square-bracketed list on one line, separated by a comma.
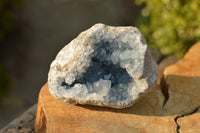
[(5, 83), (5, 87), (8, 15), (172, 26)]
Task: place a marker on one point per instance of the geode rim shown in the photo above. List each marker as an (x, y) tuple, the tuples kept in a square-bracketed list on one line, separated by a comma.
[(104, 66)]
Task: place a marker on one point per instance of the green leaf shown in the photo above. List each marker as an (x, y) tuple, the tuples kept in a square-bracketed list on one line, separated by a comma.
[(171, 26)]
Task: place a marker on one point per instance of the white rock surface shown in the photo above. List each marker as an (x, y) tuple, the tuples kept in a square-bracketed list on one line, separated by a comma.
[(103, 66)]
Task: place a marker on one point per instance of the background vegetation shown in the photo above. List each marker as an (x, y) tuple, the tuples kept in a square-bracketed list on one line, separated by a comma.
[(5, 83), (8, 15), (172, 26), (7, 23)]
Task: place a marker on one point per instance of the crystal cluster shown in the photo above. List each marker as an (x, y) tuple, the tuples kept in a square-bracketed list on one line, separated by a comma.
[(103, 66)]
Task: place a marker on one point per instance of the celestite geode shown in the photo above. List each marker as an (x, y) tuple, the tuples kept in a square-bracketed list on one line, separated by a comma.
[(103, 66)]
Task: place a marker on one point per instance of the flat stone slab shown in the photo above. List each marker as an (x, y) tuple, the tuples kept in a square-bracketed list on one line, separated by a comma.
[(190, 123), (183, 81), (103, 66), (146, 116), (163, 64), (154, 112)]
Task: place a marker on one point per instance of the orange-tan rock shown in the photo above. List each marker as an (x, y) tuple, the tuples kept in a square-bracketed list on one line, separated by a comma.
[(163, 64), (144, 117), (183, 79), (190, 123)]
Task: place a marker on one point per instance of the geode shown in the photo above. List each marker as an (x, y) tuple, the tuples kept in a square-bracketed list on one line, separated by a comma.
[(103, 66)]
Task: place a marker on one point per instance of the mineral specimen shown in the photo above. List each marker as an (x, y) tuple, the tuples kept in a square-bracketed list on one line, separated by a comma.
[(103, 66)]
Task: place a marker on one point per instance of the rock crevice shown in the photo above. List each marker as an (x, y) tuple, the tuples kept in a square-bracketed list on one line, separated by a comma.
[(182, 116)]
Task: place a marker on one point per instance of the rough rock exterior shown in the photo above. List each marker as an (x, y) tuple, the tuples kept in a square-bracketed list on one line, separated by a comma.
[(104, 66), (183, 80), (163, 64), (153, 113), (190, 123), (145, 116), (183, 84)]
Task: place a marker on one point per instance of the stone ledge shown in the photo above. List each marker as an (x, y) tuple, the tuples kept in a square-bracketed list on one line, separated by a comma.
[(22, 124), (25, 122)]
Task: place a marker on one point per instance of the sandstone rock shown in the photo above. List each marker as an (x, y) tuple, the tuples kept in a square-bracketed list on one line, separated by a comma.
[(104, 66), (183, 80), (146, 116), (190, 123), (163, 64)]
